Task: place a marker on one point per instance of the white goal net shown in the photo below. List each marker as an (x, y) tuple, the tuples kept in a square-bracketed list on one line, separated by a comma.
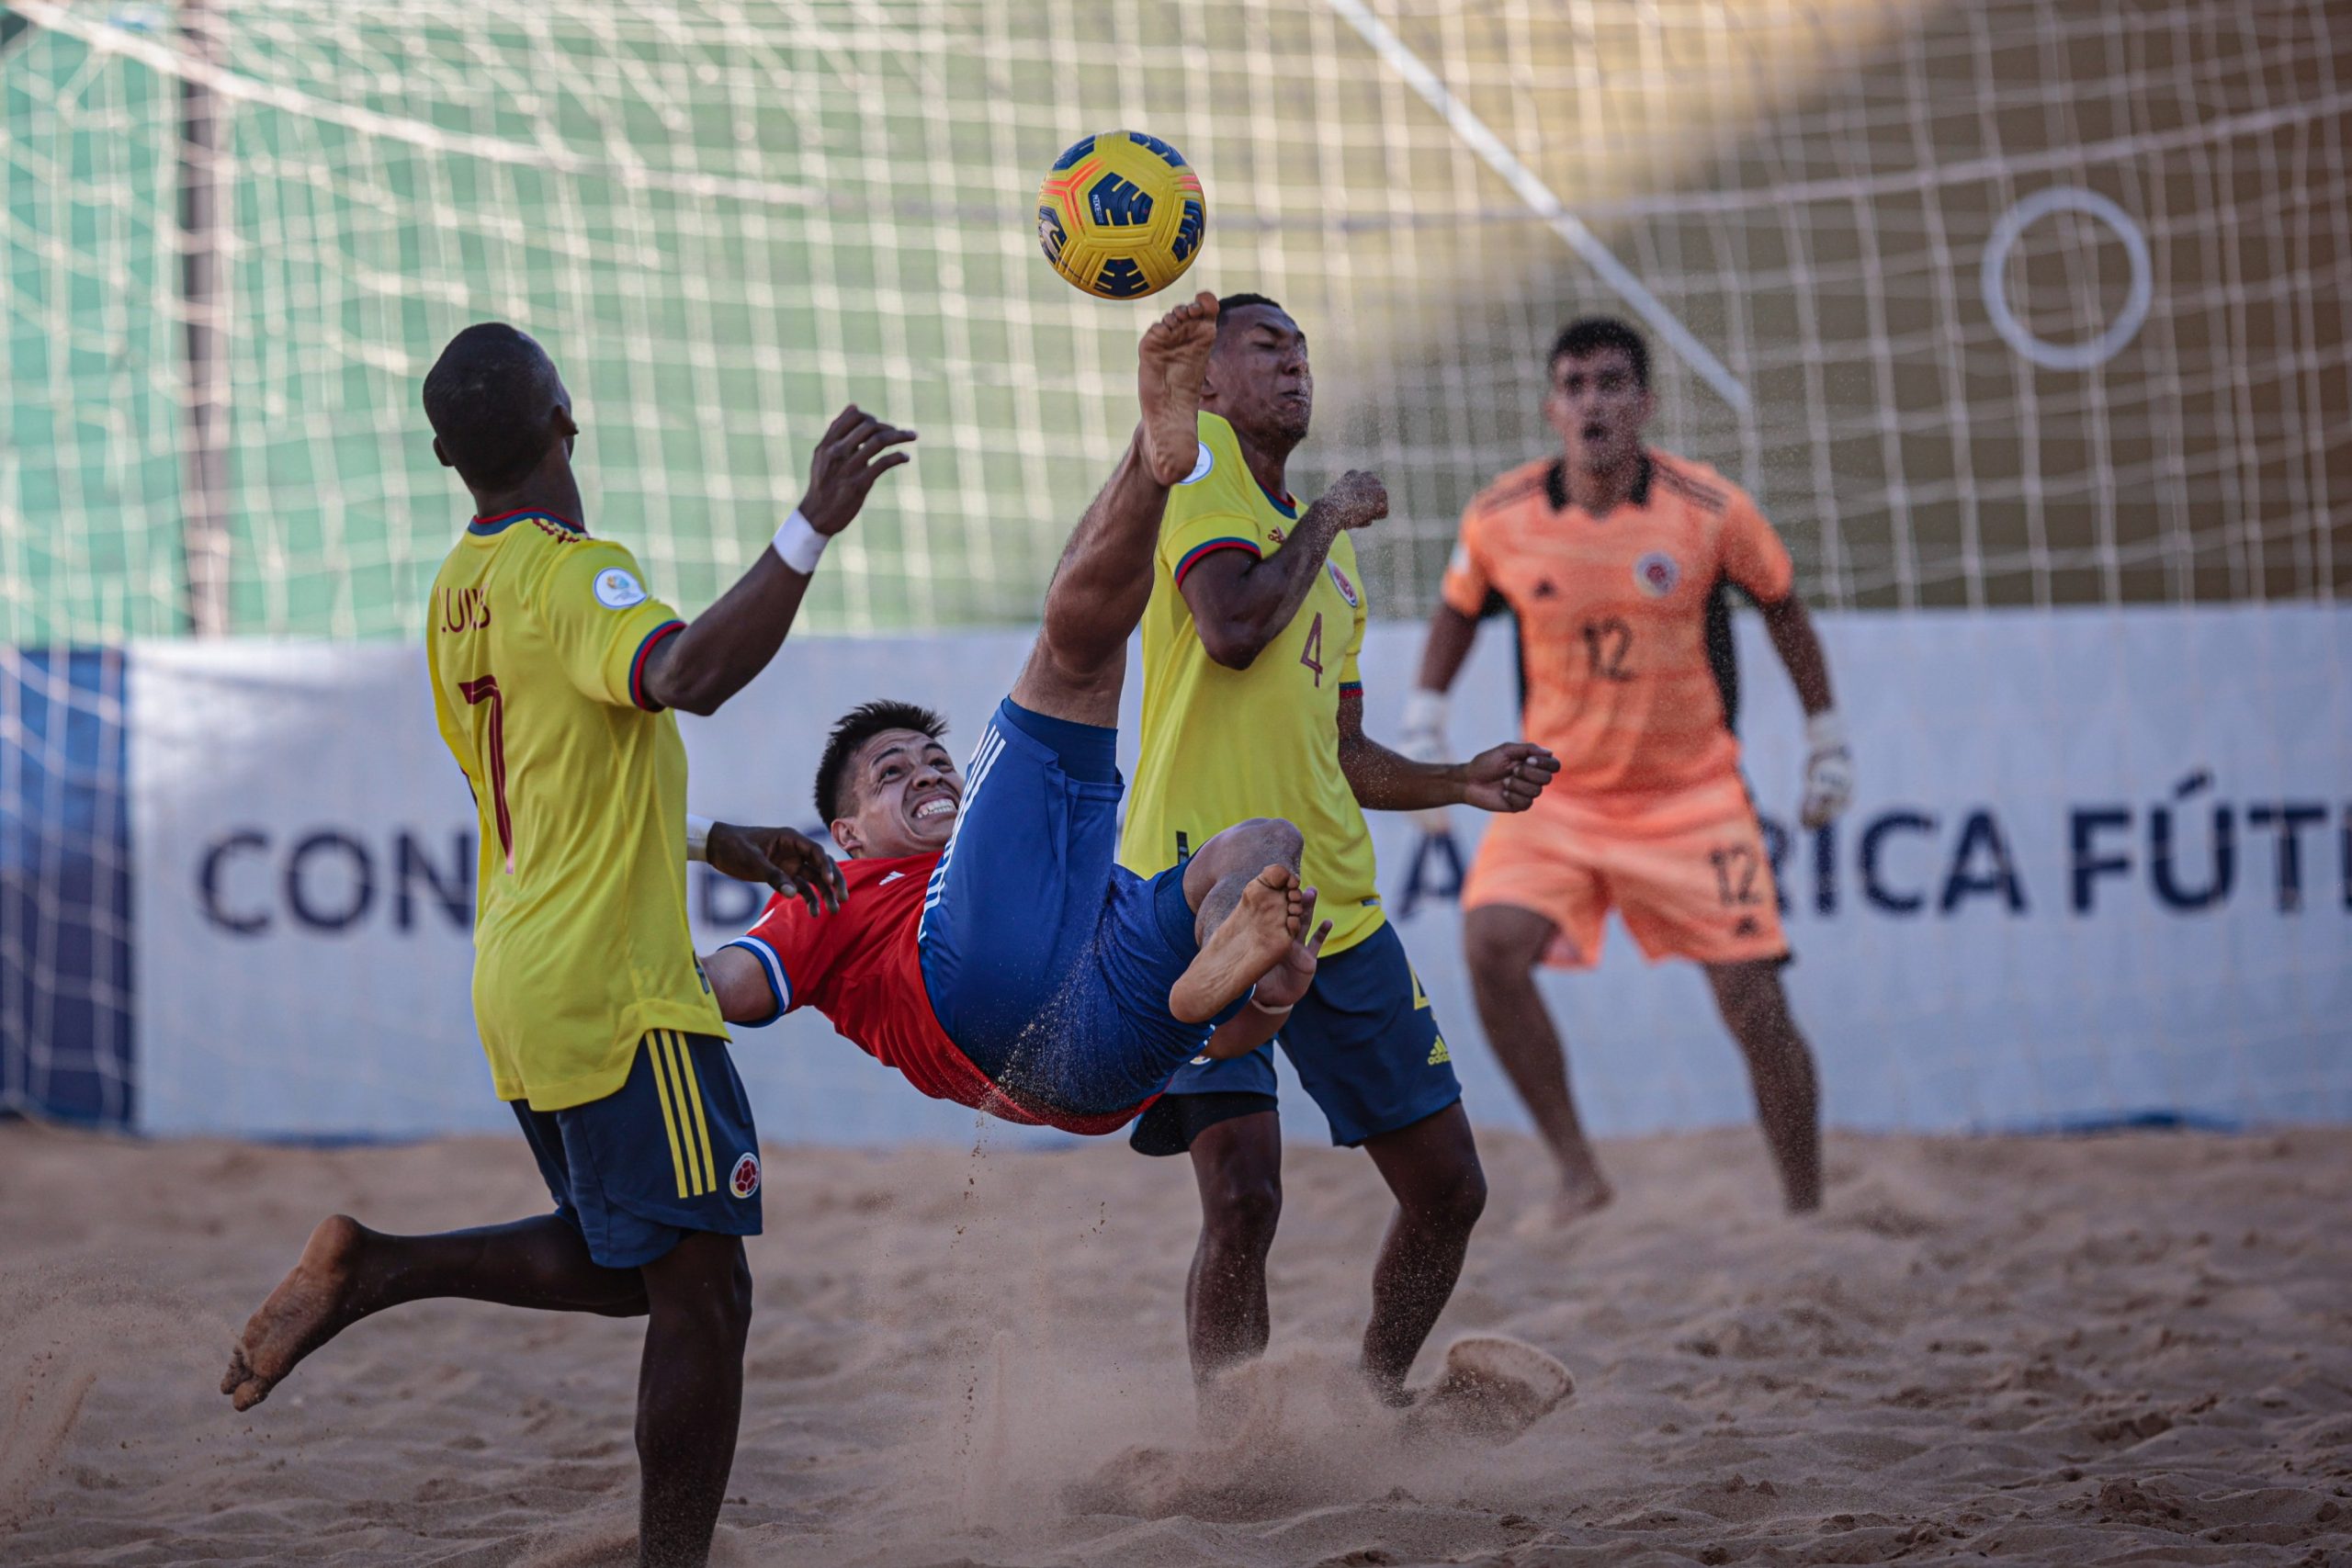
[(2020, 304)]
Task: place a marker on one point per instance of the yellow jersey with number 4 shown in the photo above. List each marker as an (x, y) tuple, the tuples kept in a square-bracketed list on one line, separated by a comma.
[(1221, 746), (537, 641)]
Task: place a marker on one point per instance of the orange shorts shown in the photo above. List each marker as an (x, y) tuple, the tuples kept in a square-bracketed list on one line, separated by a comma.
[(1687, 871)]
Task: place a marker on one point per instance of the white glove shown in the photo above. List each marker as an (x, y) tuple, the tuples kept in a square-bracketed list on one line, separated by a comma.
[(1828, 770), (1422, 740)]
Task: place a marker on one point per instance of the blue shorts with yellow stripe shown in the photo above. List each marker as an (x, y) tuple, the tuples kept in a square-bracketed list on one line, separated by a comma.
[(1365, 1040), (670, 1152)]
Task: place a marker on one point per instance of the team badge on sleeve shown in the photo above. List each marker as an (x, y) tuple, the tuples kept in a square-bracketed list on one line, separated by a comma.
[(1655, 574), (745, 1180), (617, 588)]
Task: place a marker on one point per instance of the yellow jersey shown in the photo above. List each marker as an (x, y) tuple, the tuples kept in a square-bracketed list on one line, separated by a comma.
[(536, 643), (1221, 746)]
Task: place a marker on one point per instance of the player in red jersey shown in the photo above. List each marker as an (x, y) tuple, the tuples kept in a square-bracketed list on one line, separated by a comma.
[(1612, 557), (990, 948)]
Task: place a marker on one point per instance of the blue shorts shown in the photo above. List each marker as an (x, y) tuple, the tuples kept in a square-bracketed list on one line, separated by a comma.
[(670, 1152), (1048, 962), (1365, 1040)]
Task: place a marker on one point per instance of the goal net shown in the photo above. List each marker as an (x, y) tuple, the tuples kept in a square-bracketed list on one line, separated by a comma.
[(2024, 303)]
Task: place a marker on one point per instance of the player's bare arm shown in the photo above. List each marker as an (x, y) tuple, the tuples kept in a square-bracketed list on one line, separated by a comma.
[(1829, 764), (739, 984), (727, 643), (1502, 778), (1239, 603)]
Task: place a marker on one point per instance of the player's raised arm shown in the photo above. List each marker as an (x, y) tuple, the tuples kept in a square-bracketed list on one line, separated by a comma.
[(1241, 602), (724, 647), (791, 862), (1502, 778)]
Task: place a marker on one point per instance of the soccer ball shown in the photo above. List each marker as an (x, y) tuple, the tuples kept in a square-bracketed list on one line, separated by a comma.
[(1121, 215)]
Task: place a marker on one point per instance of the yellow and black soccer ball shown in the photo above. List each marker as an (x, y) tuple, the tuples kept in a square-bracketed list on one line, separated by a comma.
[(1121, 215)]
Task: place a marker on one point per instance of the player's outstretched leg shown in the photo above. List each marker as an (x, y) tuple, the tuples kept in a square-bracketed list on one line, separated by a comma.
[(1103, 583), (1246, 906), (348, 1271)]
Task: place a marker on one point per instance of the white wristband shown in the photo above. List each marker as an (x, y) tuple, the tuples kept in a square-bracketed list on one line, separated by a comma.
[(1424, 710), (1824, 731), (799, 545), (698, 837)]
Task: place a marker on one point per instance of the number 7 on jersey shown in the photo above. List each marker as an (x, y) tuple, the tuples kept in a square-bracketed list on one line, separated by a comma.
[(485, 689)]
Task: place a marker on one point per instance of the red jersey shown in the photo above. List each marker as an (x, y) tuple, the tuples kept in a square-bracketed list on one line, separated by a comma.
[(860, 967), (1613, 616)]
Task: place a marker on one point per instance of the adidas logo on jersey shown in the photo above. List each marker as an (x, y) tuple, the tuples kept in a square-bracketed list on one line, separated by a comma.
[(891, 878), (1438, 1055)]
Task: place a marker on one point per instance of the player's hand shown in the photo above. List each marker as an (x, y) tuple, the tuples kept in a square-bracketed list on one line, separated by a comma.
[(850, 457), (1281, 986), (1357, 497), (1828, 786), (1508, 777), (791, 862)]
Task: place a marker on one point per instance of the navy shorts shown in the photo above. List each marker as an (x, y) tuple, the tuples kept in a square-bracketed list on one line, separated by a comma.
[(1048, 962), (670, 1152), (1365, 1040)]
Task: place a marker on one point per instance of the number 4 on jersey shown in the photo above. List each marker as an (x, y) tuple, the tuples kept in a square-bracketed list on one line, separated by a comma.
[(1312, 654)]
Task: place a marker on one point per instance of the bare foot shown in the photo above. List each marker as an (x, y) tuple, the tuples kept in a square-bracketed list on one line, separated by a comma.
[(1175, 357), (1579, 1196), (1493, 1388), (1250, 940), (310, 1306)]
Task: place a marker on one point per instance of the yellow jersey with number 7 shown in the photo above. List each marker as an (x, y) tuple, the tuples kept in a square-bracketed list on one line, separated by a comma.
[(537, 639), (1221, 746)]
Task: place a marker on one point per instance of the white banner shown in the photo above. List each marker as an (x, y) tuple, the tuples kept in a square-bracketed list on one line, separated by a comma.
[(2099, 865)]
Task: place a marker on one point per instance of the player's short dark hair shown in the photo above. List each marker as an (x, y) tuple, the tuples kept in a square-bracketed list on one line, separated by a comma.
[(857, 727), (1232, 302), (1590, 334), (488, 398)]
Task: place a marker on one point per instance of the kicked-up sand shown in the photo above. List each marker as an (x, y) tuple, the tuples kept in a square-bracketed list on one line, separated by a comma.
[(2123, 1349)]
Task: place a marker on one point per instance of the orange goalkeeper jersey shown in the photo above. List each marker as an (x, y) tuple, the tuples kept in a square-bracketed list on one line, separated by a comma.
[(1613, 615)]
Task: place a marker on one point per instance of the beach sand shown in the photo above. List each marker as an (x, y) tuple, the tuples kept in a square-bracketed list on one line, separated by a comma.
[(2129, 1349)]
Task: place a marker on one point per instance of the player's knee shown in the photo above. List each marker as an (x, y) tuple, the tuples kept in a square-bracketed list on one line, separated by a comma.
[(1262, 841), (1493, 958), (1240, 1213), (1454, 1202)]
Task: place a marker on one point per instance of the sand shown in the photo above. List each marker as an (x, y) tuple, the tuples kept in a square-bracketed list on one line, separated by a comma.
[(2131, 1348)]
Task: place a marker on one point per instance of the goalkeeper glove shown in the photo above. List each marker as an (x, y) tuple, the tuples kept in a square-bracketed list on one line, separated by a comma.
[(1828, 768), (1422, 740)]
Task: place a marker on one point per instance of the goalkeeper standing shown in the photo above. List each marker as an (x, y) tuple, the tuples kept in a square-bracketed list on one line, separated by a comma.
[(1612, 557)]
